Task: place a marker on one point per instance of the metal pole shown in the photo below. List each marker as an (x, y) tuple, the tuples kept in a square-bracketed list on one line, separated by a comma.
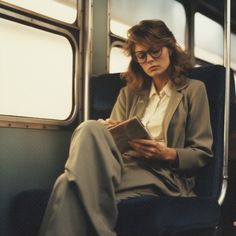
[(88, 27), (227, 11)]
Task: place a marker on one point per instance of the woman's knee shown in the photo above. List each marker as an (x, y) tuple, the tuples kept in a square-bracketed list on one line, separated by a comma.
[(90, 125), (89, 128)]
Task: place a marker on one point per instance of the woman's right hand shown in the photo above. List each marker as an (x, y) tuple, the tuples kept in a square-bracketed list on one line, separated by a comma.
[(108, 123)]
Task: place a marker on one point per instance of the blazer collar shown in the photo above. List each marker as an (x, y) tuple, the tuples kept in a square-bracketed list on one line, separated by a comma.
[(145, 92)]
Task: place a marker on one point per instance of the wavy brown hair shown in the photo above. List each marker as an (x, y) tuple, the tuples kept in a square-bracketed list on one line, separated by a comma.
[(154, 33)]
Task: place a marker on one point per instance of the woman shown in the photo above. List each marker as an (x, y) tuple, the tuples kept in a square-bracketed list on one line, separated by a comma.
[(175, 111)]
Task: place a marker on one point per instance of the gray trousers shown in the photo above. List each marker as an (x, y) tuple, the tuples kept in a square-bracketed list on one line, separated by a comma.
[(84, 199)]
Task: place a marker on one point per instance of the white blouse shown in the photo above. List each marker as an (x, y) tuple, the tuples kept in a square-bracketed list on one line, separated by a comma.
[(155, 111)]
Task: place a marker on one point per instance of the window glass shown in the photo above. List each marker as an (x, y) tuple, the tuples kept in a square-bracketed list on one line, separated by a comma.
[(64, 10), (208, 39), (118, 60), (36, 72), (122, 17)]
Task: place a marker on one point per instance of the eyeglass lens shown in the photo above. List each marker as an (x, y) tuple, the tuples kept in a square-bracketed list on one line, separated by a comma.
[(141, 56)]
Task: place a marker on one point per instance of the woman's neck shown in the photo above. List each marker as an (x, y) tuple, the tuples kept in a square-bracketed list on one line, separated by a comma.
[(160, 82)]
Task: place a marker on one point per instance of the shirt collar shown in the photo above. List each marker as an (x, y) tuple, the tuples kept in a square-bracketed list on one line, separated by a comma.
[(165, 90)]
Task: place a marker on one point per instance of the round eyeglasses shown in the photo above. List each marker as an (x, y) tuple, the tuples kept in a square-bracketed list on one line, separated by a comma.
[(141, 56)]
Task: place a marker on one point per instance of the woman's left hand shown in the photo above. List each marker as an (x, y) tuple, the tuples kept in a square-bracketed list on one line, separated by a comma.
[(151, 149)]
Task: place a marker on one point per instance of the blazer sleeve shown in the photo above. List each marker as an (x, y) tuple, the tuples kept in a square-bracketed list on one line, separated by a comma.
[(197, 150)]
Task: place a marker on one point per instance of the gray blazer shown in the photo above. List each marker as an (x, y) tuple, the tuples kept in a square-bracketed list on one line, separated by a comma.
[(186, 124)]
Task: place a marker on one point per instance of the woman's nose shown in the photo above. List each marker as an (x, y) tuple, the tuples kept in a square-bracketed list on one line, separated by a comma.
[(149, 58)]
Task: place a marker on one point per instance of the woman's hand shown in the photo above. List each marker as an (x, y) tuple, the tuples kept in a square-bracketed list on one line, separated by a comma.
[(108, 123), (151, 149)]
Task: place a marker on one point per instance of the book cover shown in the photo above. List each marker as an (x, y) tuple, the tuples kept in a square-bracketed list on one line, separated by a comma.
[(132, 128)]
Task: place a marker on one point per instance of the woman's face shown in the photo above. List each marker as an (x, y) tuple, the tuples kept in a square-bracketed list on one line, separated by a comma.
[(154, 61)]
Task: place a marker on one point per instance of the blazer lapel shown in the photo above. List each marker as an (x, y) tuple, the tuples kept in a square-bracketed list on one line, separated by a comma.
[(172, 106), (142, 99)]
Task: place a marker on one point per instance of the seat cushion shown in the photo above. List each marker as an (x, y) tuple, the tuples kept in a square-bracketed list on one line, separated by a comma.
[(144, 216), (166, 215)]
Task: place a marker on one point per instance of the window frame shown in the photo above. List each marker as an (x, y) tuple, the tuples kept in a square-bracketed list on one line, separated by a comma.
[(69, 31), (27, 12)]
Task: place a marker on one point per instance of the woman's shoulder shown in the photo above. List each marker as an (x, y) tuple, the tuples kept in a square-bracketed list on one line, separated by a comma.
[(193, 84), (130, 92), (127, 91), (192, 87), (126, 94)]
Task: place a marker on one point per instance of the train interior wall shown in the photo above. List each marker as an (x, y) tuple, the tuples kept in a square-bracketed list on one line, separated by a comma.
[(30, 159)]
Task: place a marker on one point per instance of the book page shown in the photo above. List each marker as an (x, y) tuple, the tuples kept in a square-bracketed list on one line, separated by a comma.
[(128, 130)]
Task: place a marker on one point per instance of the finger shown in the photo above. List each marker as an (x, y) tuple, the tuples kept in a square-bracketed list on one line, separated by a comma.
[(110, 121), (145, 142), (143, 150), (101, 121)]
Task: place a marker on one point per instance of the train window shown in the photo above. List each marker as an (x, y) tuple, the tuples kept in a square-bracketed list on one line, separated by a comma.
[(121, 20), (117, 55), (122, 17), (36, 72), (119, 28), (63, 10), (208, 43)]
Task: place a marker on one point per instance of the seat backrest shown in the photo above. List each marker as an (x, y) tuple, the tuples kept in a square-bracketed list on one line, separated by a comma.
[(209, 178), (104, 91)]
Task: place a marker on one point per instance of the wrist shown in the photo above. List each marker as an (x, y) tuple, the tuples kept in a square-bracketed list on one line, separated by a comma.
[(173, 157), (171, 154)]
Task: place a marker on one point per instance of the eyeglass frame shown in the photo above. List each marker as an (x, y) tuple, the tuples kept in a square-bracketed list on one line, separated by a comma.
[(148, 52)]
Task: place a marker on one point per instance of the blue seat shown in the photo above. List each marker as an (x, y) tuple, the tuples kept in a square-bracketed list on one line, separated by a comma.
[(152, 216), (175, 215)]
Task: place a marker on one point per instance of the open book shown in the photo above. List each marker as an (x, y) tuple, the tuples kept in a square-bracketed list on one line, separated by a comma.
[(132, 128)]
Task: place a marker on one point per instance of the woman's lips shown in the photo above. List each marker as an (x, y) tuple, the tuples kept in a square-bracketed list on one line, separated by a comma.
[(152, 68)]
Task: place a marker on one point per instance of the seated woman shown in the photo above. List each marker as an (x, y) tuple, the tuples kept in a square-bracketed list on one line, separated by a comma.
[(175, 111)]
